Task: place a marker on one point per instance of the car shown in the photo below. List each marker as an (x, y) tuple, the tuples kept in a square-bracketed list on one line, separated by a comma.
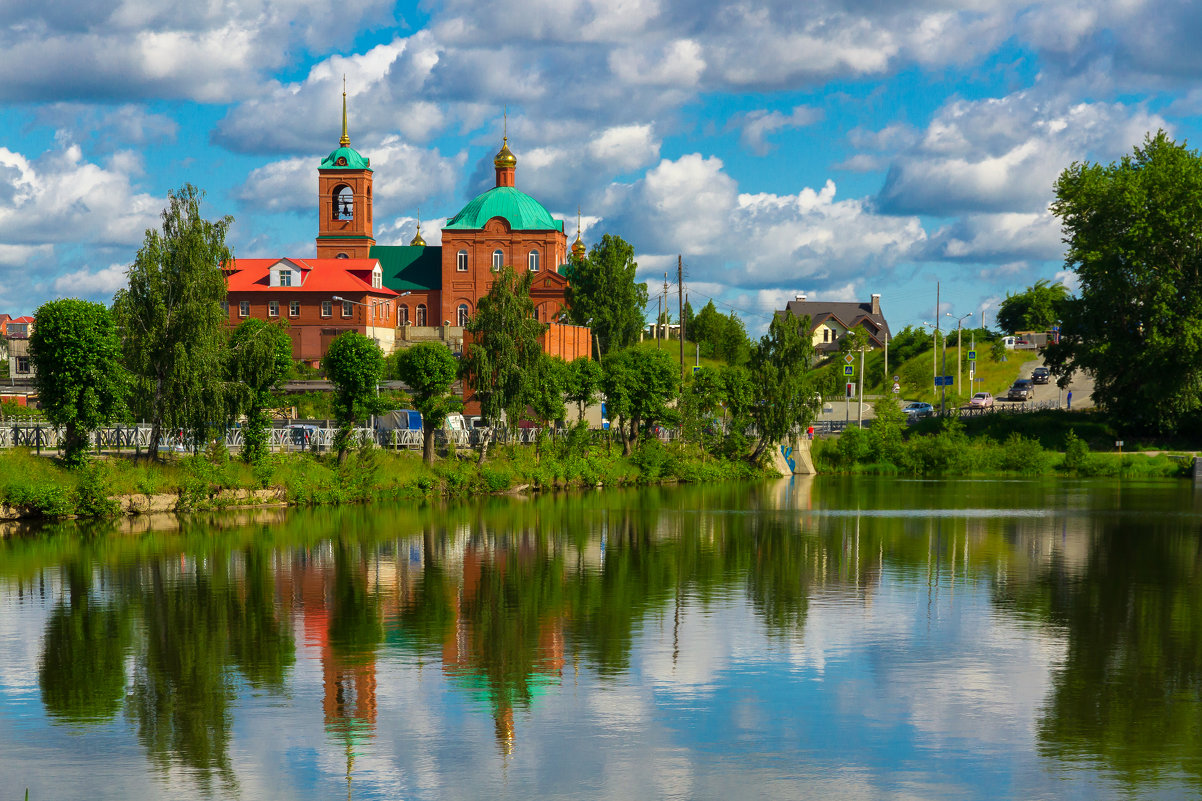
[(1021, 391), (1040, 375), (918, 409), (982, 400)]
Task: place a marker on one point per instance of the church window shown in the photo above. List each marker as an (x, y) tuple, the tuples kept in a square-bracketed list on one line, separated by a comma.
[(533, 261), (462, 316), (273, 308), (421, 314), (347, 308), (285, 278), (461, 261), (294, 308), (327, 308), (342, 256), (243, 308), (344, 203), (497, 259), (402, 315)]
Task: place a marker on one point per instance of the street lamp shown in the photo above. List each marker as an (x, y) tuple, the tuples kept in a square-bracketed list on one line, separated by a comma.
[(934, 352), (959, 321), (371, 307)]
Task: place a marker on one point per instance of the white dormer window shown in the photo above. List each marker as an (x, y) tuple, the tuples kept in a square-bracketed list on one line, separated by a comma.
[(283, 274), (377, 278), (285, 278)]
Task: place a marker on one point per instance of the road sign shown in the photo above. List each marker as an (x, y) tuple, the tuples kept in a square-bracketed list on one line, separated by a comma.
[(851, 389), (696, 369), (896, 378), (849, 370), (972, 355), (847, 357), (943, 380), (896, 388)]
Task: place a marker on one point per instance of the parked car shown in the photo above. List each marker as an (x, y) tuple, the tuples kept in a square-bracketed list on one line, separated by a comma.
[(982, 400), (1040, 375), (918, 409), (1021, 391)]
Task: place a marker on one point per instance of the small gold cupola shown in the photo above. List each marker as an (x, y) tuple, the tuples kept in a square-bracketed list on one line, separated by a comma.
[(417, 240)]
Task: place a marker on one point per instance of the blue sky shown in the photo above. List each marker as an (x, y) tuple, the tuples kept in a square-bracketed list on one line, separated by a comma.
[(838, 148)]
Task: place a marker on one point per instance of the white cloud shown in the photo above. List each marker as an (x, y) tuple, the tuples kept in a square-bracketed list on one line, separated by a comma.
[(756, 125), (84, 283), (998, 238)]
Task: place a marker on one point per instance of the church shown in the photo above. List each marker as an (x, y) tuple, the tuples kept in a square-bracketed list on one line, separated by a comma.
[(397, 294)]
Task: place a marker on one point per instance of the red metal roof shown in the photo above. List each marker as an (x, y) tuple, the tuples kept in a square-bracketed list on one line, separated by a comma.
[(317, 275), (22, 320)]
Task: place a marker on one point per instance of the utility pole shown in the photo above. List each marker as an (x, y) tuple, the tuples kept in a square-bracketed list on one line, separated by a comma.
[(659, 341), (860, 399), (886, 357), (943, 390), (680, 311)]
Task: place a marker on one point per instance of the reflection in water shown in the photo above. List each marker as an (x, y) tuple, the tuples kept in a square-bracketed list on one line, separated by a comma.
[(182, 627)]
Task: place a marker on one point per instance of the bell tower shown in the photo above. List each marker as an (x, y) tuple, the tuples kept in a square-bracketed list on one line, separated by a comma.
[(344, 227)]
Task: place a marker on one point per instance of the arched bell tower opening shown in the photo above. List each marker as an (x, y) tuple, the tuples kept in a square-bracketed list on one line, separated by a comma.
[(344, 197)]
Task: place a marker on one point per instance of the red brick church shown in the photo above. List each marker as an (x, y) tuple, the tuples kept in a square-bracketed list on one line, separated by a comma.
[(396, 293)]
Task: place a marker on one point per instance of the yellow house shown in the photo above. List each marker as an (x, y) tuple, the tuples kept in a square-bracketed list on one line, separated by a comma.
[(831, 320)]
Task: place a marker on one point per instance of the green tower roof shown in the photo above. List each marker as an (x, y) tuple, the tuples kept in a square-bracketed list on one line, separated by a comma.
[(522, 212), (351, 160)]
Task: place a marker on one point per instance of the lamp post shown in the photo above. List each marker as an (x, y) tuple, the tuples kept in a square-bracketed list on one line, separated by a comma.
[(959, 321), (371, 310), (934, 352)]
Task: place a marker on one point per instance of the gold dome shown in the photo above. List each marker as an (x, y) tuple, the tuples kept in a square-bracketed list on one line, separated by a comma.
[(505, 157), (578, 247), (417, 238)]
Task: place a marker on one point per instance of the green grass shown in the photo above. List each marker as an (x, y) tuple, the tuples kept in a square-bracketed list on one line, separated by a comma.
[(916, 373), (672, 346)]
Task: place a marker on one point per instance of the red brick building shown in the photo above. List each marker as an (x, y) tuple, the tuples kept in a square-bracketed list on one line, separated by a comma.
[(412, 291)]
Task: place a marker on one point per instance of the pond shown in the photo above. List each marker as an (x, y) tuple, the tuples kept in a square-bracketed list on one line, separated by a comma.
[(809, 638)]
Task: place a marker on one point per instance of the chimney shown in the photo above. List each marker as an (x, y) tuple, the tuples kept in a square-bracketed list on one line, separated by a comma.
[(801, 297), (876, 305)]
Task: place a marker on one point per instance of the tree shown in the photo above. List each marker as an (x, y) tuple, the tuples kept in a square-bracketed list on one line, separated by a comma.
[(1136, 325), (546, 394), (583, 383), (429, 369), (786, 393), (500, 356), (76, 358), (604, 295), (1036, 309), (720, 336), (260, 359), (639, 384), (171, 322), (354, 365)]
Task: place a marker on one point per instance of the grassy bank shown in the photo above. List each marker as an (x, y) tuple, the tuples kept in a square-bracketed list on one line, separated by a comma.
[(40, 486), (1047, 445)]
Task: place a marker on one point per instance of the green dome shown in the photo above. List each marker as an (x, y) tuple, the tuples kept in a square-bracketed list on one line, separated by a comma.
[(351, 160), (522, 212)]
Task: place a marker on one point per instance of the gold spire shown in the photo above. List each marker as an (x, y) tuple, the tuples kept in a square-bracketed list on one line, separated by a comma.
[(578, 245), (345, 141), (417, 238), (505, 157)]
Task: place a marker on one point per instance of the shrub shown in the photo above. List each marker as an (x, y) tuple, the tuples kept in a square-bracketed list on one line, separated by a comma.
[(1075, 451)]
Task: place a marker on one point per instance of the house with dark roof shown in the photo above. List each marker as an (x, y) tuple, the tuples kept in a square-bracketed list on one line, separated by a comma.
[(831, 320), (16, 337)]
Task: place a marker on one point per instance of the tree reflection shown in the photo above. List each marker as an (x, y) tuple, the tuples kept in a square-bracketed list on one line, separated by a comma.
[(1130, 690)]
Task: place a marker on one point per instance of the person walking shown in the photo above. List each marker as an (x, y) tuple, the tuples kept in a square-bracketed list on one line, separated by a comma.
[(1070, 400)]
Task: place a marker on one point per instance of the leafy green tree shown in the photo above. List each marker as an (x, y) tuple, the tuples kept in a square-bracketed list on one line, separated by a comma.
[(1036, 309), (171, 322), (354, 364), (583, 383), (504, 346), (639, 384), (720, 336), (700, 405), (603, 294), (1136, 325), (885, 437), (786, 394), (260, 360), (429, 369), (76, 357)]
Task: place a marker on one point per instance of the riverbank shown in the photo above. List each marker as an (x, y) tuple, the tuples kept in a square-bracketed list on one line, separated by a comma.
[(39, 487)]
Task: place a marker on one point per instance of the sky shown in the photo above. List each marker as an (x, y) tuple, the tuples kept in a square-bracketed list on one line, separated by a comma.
[(837, 148)]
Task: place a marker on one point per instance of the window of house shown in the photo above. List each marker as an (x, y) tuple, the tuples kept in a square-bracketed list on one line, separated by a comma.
[(402, 315), (273, 308), (22, 364), (497, 259), (285, 278), (225, 307), (461, 261), (347, 308), (376, 280), (294, 308), (826, 335), (327, 308), (243, 308), (533, 261), (462, 316), (421, 314)]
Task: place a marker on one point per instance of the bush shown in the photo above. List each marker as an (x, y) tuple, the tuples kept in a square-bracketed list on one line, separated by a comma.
[(1075, 451), (1023, 455)]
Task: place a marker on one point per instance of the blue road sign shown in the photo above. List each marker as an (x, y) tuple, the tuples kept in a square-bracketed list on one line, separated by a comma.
[(849, 370), (972, 355)]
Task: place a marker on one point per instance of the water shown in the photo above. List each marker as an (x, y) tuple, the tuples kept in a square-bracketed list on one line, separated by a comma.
[(831, 638)]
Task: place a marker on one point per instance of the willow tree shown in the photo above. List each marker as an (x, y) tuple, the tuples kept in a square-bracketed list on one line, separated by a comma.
[(354, 365), (171, 322), (786, 391), (500, 357), (260, 358)]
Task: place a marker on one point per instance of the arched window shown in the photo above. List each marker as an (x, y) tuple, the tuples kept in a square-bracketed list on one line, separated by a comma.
[(533, 261), (462, 315), (497, 258), (421, 314), (402, 315), (344, 203), (461, 261)]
